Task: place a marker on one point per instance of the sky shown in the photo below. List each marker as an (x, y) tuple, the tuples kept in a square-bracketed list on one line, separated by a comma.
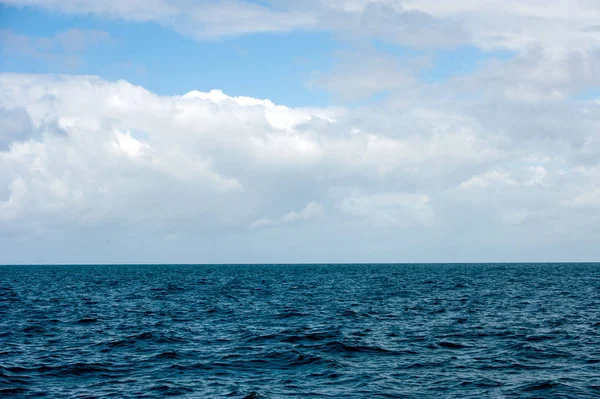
[(284, 131)]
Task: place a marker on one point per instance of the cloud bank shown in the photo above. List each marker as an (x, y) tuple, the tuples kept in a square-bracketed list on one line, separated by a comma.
[(501, 162), (209, 177)]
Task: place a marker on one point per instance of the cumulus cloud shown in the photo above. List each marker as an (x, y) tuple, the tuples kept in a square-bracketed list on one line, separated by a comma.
[(15, 126), (500, 162), (86, 157)]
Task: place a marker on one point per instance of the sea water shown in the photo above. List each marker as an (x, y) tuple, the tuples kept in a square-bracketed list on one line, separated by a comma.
[(310, 331)]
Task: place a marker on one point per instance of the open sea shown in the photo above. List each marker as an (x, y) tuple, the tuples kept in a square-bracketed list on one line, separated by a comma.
[(309, 331)]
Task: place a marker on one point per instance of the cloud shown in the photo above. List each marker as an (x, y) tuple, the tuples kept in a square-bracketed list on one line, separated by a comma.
[(63, 49), (140, 10), (84, 158), (550, 24), (494, 24), (388, 21), (396, 209), (527, 177), (312, 210), (537, 75), (15, 126), (587, 199), (362, 74), (501, 163), (203, 19), (554, 50)]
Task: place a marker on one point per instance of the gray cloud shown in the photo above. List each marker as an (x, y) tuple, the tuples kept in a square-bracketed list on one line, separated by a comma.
[(537, 75), (15, 126)]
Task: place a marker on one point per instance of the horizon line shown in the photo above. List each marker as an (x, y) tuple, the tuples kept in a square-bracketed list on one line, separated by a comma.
[(304, 263)]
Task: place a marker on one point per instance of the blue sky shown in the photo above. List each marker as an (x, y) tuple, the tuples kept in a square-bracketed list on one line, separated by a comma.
[(263, 65), (314, 131), (145, 53)]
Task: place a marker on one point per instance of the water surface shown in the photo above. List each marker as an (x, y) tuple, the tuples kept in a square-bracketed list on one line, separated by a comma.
[(322, 331)]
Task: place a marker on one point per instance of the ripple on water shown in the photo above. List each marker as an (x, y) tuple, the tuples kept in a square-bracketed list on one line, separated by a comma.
[(335, 331)]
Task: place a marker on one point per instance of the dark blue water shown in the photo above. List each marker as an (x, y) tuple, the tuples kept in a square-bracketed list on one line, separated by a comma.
[(334, 331)]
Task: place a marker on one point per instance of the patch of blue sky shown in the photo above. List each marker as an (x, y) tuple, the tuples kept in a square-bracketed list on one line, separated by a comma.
[(397, 51), (274, 66), (261, 3), (266, 65), (588, 94)]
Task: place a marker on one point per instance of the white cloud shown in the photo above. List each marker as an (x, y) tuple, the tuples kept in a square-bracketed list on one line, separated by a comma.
[(129, 146), (527, 177), (202, 19), (499, 158), (497, 24), (312, 210), (86, 158), (489, 24)]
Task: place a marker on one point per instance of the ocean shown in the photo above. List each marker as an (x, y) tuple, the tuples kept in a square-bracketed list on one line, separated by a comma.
[(306, 331)]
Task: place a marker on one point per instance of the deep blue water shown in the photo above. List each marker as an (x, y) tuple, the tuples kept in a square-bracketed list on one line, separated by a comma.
[(272, 331)]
